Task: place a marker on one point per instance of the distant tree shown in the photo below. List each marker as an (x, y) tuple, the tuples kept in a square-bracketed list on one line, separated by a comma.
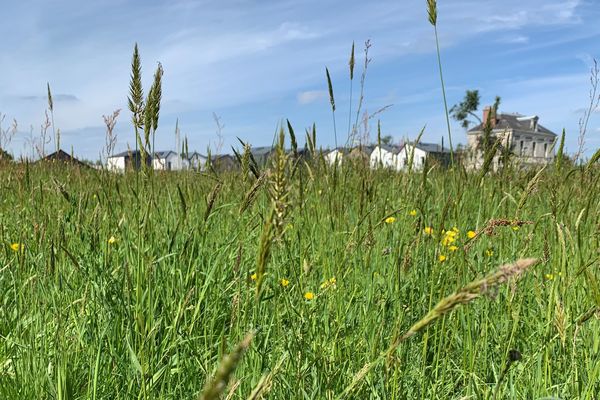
[(387, 140), (466, 109)]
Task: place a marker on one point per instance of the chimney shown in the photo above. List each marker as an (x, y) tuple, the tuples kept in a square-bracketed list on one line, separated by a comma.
[(488, 112), (534, 123)]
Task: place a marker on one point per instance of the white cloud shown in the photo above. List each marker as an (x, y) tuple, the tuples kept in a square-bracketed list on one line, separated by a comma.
[(516, 39), (311, 96), (220, 55)]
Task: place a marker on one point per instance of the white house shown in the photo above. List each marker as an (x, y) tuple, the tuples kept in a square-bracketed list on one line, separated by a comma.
[(124, 160), (168, 161), (421, 153), (384, 156), (334, 156), (527, 140), (196, 161)]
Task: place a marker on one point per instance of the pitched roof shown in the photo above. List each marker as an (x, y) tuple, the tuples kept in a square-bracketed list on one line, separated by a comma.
[(163, 154), (196, 154), (126, 153), (62, 156), (432, 148), (516, 122), (388, 148), (261, 151)]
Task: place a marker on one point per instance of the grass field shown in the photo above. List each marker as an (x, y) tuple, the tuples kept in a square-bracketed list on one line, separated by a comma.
[(139, 285)]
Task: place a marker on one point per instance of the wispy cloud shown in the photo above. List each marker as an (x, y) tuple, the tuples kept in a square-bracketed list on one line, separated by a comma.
[(55, 97), (253, 61), (311, 96), (514, 39)]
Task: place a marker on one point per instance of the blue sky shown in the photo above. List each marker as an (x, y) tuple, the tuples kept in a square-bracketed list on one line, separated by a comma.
[(256, 63)]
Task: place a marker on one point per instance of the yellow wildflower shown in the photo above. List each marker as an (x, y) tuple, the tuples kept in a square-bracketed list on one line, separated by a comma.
[(452, 233), (515, 228), (455, 229), (489, 252), (428, 230), (390, 220), (453, 248), (442, 258), (328, 283), (412, 213), (17, 246), (447, 240), (112, 240), (471, 234), (284, 282), (549, 277), (309, 296), (253, 276)]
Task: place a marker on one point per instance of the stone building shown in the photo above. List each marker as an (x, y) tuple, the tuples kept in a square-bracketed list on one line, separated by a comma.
[(528, 141)]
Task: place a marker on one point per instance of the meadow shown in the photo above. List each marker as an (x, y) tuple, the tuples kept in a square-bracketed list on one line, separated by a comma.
[(298, 279), (304, 281)]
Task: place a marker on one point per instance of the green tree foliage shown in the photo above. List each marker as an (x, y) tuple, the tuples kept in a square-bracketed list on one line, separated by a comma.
[(466, 109)]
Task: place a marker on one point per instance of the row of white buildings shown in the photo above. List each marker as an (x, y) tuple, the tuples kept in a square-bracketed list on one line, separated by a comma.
[(522, 136), (162, 161), (398, 157)]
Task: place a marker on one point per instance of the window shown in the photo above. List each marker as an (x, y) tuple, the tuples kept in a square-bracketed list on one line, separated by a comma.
[(545, 149), (533, 149), (169, 165), (521, 148)]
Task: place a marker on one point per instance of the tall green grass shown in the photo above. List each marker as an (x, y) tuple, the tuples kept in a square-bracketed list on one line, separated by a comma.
[(153, 311)]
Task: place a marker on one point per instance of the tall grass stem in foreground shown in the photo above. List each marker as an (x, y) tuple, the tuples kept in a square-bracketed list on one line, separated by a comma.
[(432, 12), (332, 102)]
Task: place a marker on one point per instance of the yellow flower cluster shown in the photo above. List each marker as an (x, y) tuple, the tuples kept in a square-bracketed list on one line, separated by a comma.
[(390, 220), (448, 239), (329, 283), (550, 276), (428, 230), (450, 236), (309, 296), (284, 282)]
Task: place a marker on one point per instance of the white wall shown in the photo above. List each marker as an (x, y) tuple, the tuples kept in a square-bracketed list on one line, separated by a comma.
[(419, 158), (333, 156), (383, 158), (197, 163), (115, 164), (173, 162)]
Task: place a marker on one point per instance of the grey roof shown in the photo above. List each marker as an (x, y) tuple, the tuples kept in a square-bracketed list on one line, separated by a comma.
[(432, 148), (221, 157), (163, 154), (196, 154), (516, 122), (127, 153), (261, 151), (342, 150), (391, 149)]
